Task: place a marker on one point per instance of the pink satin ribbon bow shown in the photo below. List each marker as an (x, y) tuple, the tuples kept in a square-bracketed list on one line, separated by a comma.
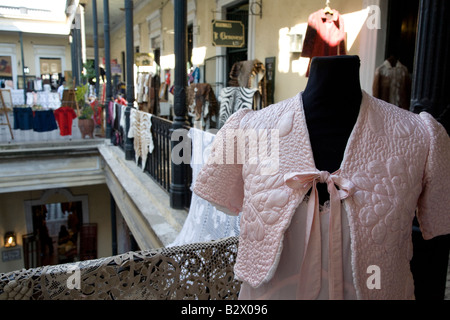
[(310, 272)]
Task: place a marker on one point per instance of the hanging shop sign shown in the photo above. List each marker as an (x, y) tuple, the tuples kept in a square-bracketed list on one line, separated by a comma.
[(116, 68), (144, 62), (143, 59), (228, 33)]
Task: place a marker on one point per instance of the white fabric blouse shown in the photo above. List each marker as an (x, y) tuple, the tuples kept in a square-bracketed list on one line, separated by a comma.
[(285, 282)]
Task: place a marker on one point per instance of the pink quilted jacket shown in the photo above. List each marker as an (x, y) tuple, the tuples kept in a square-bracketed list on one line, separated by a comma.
[(395, 161)]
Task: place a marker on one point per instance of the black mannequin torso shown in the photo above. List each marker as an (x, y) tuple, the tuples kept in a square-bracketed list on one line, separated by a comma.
[(331, 101)]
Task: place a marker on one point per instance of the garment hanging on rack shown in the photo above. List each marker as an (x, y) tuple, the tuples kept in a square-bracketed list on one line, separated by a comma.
[(194, 76), (140, 132), (44, 121), (122, 116), (134, 123), (140, 87), (153, 91), (133, 132), (64, 116), (233, 99), (325, 36), (110, 119), (202, 105), (146, 138), (23, 118), (250, 74), (146, 87), (98, 112), (247, 74), (392, 83)]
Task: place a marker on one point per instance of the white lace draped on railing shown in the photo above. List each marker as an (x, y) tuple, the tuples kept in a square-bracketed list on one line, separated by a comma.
[(204, 222), (195, 271)]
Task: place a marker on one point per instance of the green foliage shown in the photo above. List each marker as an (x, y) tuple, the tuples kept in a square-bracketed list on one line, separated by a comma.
[(80, 94), (86, 112), (88, 72)]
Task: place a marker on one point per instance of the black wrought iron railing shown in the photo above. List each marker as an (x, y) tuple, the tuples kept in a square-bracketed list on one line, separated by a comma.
[(158, 164)]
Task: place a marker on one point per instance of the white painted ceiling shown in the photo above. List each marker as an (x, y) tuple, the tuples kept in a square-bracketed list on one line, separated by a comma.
[(49, 16)]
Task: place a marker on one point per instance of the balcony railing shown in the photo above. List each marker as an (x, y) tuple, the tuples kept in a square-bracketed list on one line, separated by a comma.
[(201, 271), (158, 163)]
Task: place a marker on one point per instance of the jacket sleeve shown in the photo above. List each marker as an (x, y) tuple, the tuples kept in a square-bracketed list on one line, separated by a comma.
[(434, 202), (220, 180), (310, 38)]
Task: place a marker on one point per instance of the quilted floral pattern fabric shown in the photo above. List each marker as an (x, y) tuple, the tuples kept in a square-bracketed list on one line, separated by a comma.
[(397, 162)]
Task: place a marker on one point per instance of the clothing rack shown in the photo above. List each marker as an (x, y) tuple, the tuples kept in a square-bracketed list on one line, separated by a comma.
[(4, 109)]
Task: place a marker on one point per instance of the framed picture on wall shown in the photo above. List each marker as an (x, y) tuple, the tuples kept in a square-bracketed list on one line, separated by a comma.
[(5, 66), (45, 67)]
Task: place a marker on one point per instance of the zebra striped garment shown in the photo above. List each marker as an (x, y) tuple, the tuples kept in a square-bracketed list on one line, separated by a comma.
[(232, 99)]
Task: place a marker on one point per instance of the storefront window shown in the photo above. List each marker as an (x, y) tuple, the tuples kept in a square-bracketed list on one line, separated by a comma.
[(51, 72)]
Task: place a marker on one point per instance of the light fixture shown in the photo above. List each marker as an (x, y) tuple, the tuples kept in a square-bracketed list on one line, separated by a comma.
[(10, 240), (26, 70), (256, 8)]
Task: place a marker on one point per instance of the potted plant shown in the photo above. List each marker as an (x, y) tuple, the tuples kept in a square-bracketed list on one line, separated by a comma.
[(85, 112)]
